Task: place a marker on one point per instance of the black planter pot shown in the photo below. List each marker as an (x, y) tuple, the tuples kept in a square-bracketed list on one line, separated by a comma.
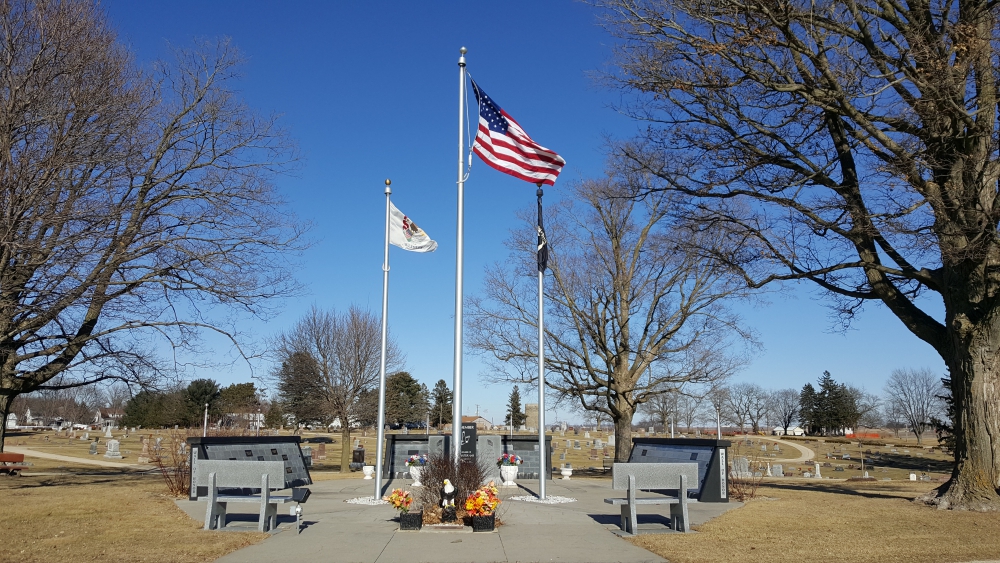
[(484, 523), (411, 520)]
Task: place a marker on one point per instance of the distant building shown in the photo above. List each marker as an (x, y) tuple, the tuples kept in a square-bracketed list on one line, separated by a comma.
[(11, 421), (108, 418), (793, 431)]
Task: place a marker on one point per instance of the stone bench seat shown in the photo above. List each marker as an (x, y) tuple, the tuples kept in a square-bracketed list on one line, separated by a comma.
[(673, 478), (245, 475)]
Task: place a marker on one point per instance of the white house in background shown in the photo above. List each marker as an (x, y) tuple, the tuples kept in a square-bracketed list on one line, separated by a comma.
[(793, 431), (108, 418)]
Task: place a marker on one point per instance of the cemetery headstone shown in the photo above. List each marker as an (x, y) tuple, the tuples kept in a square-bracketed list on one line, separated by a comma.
[(913, 476), (86, 435), (107, 433), (113, 453), (576, 444), (768, 473), (144, 454), (806, 475), (321, 453), (777, 470), (611, 440), (818, 475), (93, 448), (763, 447), (586, 434), (741, 467)]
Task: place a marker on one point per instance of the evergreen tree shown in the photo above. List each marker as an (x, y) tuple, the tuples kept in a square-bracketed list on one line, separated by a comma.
[(945, 428), (829, 410), (514, 415), (199, 393), (406, 400), (807, 409), (441, 398)]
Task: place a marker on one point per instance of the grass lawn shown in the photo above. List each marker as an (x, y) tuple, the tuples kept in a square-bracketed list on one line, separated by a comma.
[(800, 521), (88, 514)]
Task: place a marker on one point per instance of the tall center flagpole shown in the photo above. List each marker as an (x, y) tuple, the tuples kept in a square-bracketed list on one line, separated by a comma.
[(456, 411), (542, 457), (380, 440)]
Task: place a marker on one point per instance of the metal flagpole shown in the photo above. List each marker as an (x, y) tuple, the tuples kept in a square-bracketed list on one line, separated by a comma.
[(379, 443), (542, 458), (456, 410)]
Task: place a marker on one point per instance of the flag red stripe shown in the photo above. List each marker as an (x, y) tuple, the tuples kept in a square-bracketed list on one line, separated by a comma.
[(488, 158), (505, 148)]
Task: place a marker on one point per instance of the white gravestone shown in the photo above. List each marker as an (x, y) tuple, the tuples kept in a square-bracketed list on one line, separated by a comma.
[(112, 452), (777, 470), (107, 433), (818, 476)]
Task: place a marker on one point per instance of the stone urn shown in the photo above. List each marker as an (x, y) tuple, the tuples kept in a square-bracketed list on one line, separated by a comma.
[(368, 470), (508, 473), (566, 471), (415, 471)]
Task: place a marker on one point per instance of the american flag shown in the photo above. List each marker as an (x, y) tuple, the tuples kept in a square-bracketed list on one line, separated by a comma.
[(502, 144)]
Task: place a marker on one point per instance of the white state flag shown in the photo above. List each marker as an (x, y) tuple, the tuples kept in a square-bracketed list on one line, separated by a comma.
[(404, 233)]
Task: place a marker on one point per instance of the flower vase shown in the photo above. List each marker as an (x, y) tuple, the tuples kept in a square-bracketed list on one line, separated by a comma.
[(415, 471), (411, 520), (484, 523), (508, 473)]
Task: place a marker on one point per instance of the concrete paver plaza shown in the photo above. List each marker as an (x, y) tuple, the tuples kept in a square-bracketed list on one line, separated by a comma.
[(336, 531)]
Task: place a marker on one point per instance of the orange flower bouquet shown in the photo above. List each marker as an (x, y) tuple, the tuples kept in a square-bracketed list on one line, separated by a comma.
[(483, 501)]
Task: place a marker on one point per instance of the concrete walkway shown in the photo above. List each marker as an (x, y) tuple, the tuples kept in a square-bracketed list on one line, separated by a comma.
[(336, 531), (70, 459), (805, 454)]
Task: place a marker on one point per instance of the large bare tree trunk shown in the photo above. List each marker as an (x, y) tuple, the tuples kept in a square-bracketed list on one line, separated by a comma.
[(345, 448), (623, 432), (975, 384), (6, 402)]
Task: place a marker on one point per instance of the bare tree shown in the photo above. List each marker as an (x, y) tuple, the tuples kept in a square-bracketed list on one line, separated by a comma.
[(662, 409), (333, 361), (851, 143), (747, 403), (913, 394), (133, 205), (629, 315), (689, 410), (785, 407)]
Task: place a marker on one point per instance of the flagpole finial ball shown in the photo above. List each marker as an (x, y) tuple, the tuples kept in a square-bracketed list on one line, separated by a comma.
[(463, 50), (388, 182)]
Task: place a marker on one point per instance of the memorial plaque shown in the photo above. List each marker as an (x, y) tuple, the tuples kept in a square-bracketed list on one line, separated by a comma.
[(468, 444)]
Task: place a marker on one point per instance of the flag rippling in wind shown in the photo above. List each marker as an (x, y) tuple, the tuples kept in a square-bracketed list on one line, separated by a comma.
[(404, 233), (502, 144)]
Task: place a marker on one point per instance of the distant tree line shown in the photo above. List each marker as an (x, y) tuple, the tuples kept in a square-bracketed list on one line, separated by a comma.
[(913, 399)]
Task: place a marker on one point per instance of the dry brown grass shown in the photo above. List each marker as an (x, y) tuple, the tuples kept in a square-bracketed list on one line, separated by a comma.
[(111, 516), (861, 523)]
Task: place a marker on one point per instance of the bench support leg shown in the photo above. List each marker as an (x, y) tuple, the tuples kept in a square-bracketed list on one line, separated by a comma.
[(679, 521)]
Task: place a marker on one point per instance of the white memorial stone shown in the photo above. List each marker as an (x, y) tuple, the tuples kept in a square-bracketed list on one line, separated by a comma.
[(913, 476), (112, 450), (107, 434), (818, 476)]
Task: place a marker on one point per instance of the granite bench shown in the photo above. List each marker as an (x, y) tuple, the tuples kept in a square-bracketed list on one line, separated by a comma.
[(673, 479), (246, 476)]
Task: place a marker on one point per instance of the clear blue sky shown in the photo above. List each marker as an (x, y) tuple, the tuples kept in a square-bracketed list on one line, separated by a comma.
[(369, 90)]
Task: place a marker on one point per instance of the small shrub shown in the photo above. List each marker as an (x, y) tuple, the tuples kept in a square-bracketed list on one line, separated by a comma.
[(465, 476)]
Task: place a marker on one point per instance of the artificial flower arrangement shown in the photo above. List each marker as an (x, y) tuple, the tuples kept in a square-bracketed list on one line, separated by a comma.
[(509, 459), (483, 501), (415, 459), (400, 500)]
